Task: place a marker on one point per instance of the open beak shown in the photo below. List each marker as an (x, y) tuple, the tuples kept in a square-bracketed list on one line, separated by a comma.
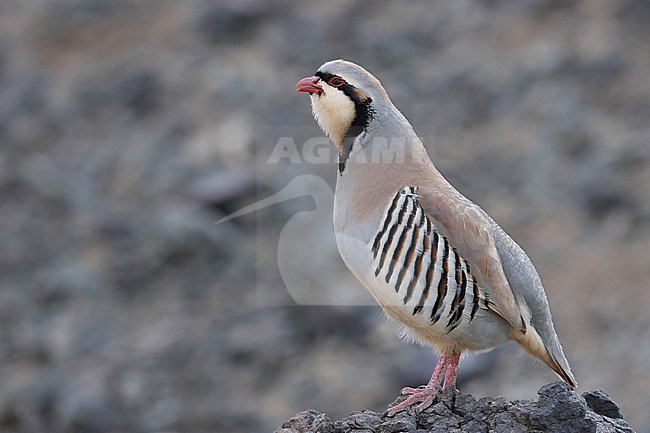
[(309, 85)]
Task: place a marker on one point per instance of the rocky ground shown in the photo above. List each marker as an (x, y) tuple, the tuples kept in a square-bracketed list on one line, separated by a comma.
[(129, 127), (558, 409)]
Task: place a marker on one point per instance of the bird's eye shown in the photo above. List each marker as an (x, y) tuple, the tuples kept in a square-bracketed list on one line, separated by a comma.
[(336, 81)]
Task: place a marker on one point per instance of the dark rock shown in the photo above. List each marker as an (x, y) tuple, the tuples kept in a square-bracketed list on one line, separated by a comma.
[(557, 402), (600, 403), (308, 421), (362, 421), (558, 410), (397, 424)]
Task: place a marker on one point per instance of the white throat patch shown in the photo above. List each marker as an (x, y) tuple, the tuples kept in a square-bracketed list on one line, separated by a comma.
[(334, 111)]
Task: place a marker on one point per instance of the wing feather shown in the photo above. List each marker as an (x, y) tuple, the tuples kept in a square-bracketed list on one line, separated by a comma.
[(467, 227)]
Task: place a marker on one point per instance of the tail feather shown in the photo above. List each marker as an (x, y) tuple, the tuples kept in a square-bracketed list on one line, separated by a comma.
[(564, 372), (534, 345)]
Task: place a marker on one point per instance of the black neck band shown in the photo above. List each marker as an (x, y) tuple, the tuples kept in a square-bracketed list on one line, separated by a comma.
[(363, 115)]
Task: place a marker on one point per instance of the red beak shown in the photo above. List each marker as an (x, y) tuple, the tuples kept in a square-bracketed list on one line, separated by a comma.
[(309, 85)]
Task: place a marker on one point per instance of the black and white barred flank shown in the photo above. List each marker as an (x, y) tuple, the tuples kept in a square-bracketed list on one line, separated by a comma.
[(415, 259)]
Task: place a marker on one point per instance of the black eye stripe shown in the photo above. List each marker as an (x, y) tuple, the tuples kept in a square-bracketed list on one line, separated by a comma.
[(345, 87), (327, 77)]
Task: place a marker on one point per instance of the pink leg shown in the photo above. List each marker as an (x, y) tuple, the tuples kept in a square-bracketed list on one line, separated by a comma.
[(436, 377), (452, 371), (424, 396)]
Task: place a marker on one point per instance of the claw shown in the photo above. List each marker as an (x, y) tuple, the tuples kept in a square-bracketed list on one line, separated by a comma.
[(424, 396), (408, 390)]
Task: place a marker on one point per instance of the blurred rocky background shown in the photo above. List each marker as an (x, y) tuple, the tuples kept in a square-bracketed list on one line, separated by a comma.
[(129, 127)]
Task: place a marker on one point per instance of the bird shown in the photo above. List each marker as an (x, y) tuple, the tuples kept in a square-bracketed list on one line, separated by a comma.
[(435, 262)]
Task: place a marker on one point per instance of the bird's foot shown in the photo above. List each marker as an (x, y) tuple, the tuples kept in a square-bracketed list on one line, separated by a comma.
[(443, 381), (423, 397), (408, 390)]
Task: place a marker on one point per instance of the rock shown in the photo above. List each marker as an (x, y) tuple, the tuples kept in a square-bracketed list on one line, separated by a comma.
[(558, 410), (307, 421), (600, 403)]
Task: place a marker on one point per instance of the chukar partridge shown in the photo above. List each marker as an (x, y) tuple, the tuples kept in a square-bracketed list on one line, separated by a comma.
[(433, 260)]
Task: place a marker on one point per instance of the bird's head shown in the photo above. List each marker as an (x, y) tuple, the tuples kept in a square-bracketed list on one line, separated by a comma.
[(344, 98)]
